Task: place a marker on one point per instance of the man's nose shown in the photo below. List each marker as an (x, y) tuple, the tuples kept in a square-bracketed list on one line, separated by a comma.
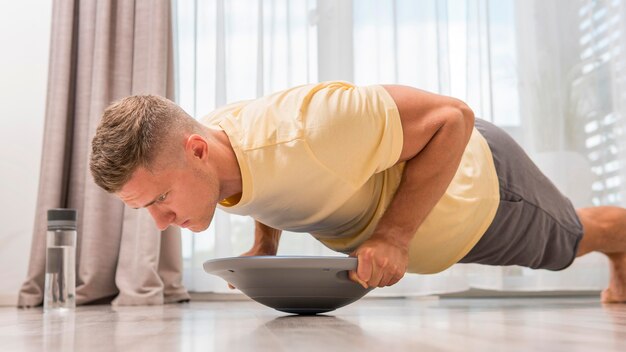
[(162, 218)]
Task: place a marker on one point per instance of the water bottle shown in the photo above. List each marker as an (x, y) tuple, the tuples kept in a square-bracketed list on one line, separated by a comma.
[(60, 287)]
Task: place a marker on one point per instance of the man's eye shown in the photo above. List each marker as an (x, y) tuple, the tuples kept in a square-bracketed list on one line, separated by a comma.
[(162, 197)]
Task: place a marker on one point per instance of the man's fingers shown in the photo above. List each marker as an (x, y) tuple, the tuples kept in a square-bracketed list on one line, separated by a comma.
[(396, 278), (382, 272), (354, 277), (386, 279), (364, 266), (377, 276)]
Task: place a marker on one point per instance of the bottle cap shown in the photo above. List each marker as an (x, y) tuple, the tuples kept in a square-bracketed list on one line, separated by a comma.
[(61, 219)]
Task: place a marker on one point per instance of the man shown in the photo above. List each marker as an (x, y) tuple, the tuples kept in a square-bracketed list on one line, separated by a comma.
[(402, 179)]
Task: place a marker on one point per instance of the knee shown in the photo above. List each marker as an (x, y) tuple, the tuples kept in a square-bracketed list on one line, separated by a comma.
[(593, 230), (611, 219), (601, 225), (601, 220)]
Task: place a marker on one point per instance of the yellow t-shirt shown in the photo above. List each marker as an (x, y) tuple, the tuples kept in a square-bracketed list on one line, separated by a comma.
[(322, 158)]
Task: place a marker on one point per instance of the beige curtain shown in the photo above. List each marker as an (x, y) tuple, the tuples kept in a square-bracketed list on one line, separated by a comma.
[(102, 51)]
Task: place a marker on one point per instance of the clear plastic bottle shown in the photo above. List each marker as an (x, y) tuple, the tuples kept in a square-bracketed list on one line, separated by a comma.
[(60, 287)]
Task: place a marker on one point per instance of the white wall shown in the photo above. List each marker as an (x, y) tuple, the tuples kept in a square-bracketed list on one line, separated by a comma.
[(24, 39)]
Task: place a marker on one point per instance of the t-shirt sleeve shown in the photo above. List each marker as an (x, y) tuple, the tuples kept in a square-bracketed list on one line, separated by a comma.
[(353, 131)]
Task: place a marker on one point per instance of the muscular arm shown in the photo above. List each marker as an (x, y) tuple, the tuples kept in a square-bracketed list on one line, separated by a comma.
[(436, 130), (266, 240)]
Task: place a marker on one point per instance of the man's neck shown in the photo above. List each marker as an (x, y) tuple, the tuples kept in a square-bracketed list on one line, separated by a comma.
[(226, 165)]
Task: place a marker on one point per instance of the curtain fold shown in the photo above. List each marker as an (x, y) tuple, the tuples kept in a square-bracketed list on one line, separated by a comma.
[(102, 51)]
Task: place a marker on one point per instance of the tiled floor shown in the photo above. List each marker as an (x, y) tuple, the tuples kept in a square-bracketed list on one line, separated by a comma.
[(501, 324)]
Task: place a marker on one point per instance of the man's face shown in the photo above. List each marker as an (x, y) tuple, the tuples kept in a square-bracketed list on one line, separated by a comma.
[(185, 197)]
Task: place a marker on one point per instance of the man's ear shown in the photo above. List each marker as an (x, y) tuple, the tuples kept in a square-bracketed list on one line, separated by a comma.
[(196, 147)]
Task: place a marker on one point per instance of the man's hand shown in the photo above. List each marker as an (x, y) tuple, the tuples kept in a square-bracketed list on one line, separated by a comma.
[(260, 249), (380, 263), (266, 240)]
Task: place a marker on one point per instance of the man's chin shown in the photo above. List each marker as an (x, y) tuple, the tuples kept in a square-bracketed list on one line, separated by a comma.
[(198, 228)]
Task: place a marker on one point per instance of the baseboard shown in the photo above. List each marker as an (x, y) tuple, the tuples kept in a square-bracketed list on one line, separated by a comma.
[(471, 293), (212, 296), (481, 293), (8, 300)]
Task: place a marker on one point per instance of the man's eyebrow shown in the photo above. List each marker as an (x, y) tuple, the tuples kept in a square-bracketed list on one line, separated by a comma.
[(149, 204)]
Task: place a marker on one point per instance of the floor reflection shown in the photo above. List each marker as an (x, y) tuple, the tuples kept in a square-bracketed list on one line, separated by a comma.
[(368, 325)]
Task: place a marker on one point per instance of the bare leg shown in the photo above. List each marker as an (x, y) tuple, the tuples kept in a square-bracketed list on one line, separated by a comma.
[(605, 231)]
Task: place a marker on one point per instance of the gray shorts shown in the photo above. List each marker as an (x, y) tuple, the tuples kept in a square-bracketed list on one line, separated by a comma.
[(535, 225)]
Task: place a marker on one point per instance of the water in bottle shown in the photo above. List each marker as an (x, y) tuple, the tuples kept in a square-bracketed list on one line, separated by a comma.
[(60, 284)]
